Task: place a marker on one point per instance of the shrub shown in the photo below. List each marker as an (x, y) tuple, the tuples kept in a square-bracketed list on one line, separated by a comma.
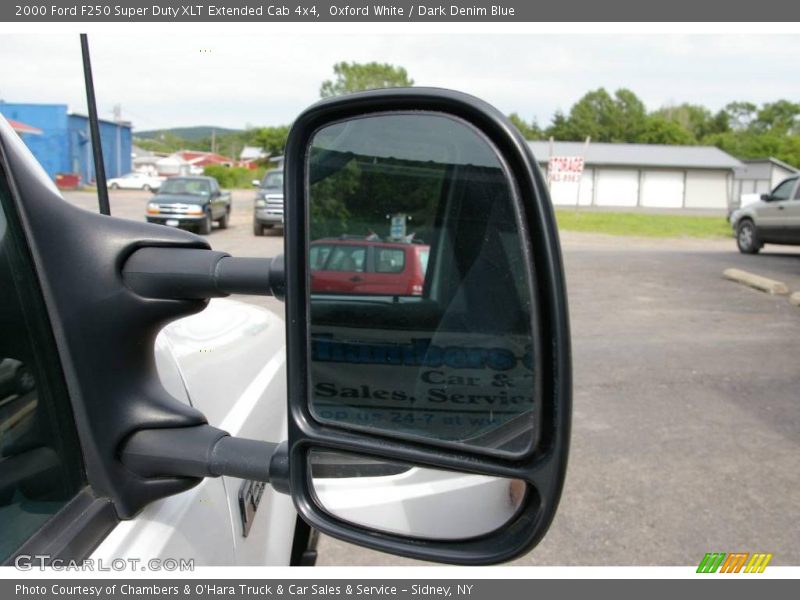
[(233, 177)]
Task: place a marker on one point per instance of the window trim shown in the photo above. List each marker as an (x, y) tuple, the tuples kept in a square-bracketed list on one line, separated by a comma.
[(73, 533), (76, 528)]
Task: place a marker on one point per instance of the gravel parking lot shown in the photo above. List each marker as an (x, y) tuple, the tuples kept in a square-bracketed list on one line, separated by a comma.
[(686, 432)]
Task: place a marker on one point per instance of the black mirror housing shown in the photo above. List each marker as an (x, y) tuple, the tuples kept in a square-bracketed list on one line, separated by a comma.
[(543, 466)]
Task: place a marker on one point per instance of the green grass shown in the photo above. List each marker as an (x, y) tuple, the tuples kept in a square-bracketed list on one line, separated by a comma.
[(642, 224)]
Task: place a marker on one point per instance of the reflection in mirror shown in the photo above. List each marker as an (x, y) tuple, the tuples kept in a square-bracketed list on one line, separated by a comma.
[(413, 501), (422, 304)]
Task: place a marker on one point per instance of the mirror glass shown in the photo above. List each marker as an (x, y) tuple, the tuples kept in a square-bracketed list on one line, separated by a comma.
[(423, 322), (412, 501)]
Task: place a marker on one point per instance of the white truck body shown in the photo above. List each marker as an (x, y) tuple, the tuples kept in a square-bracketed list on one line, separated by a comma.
[(228, 361)]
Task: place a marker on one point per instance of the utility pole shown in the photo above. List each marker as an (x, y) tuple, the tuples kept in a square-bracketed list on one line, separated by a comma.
[(580, 177), (118, 121)]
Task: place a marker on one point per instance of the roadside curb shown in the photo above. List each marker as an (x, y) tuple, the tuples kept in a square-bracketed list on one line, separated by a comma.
[(764, 284)]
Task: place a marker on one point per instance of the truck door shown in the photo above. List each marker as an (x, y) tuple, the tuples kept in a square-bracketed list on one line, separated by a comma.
[(792, 211), (217, 202), (772, 218)]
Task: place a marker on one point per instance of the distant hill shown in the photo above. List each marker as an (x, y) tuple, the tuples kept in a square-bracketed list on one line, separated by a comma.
[(192, 134)]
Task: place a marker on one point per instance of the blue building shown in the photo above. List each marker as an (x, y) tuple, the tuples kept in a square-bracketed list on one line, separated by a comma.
[(64, 145)]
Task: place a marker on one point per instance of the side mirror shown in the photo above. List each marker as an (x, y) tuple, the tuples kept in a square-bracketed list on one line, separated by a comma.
[(430, 411), (256, 183), (766, 197), (429, 369)]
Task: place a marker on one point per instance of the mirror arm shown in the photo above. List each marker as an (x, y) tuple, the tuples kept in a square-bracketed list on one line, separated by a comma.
[(205, 451), (195, 273)]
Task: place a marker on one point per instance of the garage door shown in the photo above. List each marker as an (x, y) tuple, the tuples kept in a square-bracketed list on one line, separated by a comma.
[(587, 184), (563, 193), (568, 193), (617, 187), (707, 189), (662, 189)]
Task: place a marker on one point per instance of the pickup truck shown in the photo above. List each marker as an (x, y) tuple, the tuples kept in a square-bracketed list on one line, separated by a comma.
[(160, 420), (190, 202), (268, 204)]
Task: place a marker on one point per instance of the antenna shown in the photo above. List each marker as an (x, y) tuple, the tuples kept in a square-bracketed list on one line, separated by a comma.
[(94, 128)]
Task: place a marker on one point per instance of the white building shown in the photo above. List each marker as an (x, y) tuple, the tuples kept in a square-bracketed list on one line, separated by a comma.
[(250, 153), (643, 175), (144, 161), (758, 176), (174, 164)]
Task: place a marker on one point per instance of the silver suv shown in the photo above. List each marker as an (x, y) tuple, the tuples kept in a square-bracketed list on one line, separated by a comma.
[(775, 219)]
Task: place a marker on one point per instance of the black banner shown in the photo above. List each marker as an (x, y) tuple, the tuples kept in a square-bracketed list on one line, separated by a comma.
[(729, 587), (454, 11)]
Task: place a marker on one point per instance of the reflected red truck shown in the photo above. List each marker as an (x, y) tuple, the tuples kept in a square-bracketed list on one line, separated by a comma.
[(361, 266)]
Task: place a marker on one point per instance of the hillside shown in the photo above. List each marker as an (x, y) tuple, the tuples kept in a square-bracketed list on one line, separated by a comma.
[(192, 134)]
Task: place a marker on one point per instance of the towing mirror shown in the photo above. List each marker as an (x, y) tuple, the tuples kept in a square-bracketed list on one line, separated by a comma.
[(428, 349), (410, 500), (428, 344)]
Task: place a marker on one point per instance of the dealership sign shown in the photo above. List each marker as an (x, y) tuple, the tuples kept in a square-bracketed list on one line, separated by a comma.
[(446, 385)]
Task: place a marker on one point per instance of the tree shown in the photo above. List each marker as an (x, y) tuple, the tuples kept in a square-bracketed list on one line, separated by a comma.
[(530, 131), (632, 115), (695, 119), (782, 117), (660, 130), (559, 127), (272, 139), (740, 114), (355, 77), (743, 129), (748, 144), (593, 115), (606, 118)]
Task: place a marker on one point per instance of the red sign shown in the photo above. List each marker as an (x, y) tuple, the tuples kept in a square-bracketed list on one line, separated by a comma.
[(565, 168)]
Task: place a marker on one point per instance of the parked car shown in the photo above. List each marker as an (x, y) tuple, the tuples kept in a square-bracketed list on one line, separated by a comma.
[(268, 209), (363, 266), (136, 181), (190, 202), (774, 219)]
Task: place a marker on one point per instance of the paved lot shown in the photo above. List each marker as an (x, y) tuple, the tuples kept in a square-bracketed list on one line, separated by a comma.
[(686, 433)]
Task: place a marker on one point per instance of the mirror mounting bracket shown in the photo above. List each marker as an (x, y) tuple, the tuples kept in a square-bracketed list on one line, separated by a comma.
[(205, 451), (197, 273)]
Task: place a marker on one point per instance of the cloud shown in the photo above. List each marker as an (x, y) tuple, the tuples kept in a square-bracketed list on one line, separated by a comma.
[(230, 81)]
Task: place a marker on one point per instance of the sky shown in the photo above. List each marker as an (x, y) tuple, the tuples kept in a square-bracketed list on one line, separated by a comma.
[(253, 80)]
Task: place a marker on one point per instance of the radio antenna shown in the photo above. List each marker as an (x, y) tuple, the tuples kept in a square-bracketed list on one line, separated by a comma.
[(94, 129)]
